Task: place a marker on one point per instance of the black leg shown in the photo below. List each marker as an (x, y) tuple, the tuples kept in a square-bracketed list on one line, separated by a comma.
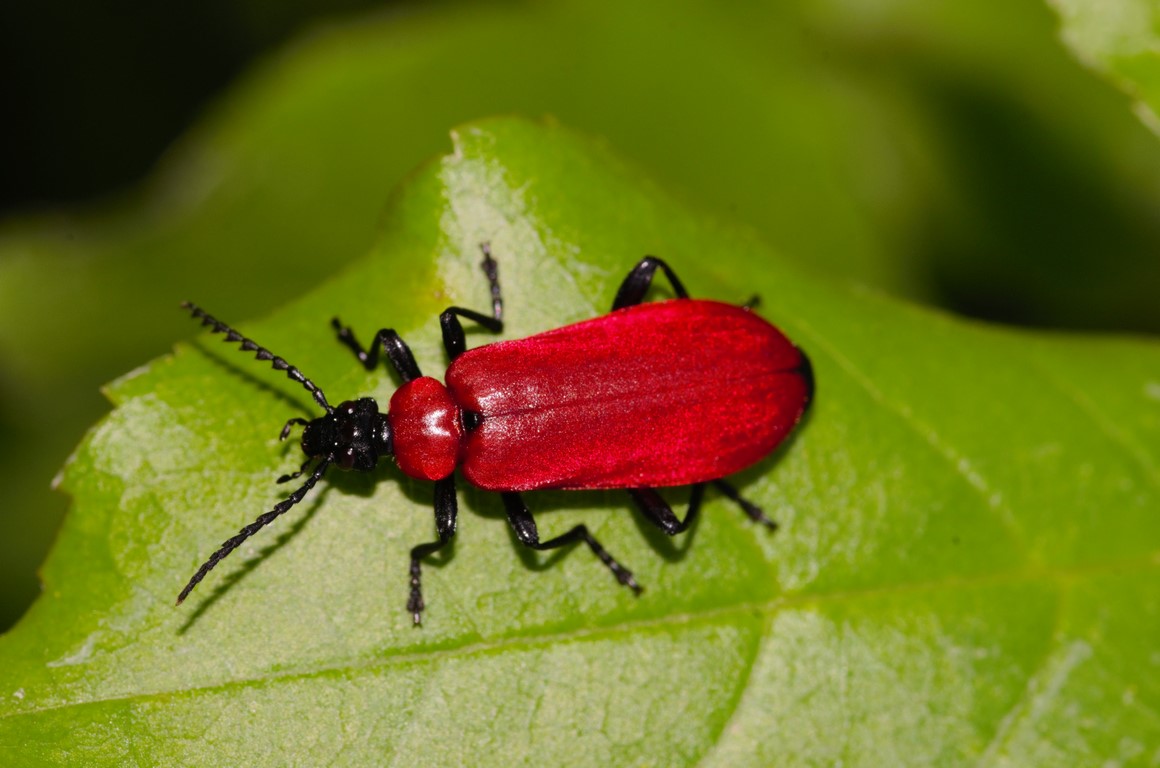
[(386, 339), (454, 340), (524, 526), (289, 425), (658, 512), (636, 285), (446, 510), (754, 512), (297, 473)]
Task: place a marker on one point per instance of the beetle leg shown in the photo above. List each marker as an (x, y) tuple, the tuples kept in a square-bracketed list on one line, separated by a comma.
[(454, 340), (297, 473), (755, 513), (446, 511), (636, 285), (386, 339), (658, 512), (491, 270), (525, 529), (289, 425)]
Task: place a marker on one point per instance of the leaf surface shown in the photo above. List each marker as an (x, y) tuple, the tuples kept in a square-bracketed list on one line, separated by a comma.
[(967, 564), (952, 153)]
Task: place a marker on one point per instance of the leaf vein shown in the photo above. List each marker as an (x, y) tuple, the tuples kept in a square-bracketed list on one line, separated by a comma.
[(960, 464), (1108, 426), (1149, 562)]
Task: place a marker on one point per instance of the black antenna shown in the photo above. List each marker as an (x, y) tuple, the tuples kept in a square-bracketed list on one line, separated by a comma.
[(261, 522), (262, 354)]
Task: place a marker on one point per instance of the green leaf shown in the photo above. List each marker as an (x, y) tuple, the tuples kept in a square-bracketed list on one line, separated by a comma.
[(948, 152), (967, 567), (1118, 38)]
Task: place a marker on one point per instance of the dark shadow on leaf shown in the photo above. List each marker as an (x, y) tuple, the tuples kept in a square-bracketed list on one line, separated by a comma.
[(541, 504), (672, 548), (256, 375)]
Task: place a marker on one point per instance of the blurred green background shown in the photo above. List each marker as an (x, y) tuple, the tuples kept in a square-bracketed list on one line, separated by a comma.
[(955, 154)]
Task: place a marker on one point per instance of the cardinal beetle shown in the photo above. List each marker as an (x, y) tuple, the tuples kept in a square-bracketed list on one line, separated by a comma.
[(666, 393)]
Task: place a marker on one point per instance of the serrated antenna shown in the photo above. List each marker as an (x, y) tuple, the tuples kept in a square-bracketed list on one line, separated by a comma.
[(229, 545), (259, 351)]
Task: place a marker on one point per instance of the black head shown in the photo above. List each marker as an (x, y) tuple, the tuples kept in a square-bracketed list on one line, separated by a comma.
[(353, 436)]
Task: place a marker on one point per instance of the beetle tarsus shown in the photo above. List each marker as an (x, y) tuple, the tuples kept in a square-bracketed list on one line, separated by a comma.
[(755, 513), (491, 270), (622, 574), (415, 602)]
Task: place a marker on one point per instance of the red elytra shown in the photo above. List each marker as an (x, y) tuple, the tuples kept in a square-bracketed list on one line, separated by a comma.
[(668, 393), (619, 401)]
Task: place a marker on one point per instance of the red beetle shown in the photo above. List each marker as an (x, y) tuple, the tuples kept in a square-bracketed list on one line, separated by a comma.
[(669, 393)]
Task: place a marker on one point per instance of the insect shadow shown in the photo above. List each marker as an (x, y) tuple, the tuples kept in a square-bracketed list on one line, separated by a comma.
[(261, 383)]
